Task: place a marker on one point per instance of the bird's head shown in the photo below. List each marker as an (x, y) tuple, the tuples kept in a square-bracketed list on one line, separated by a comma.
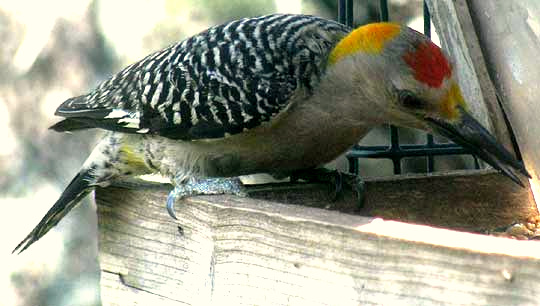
[(411, 82)]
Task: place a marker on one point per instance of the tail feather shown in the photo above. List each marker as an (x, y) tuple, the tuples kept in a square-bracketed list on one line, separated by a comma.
[(70, 125), (79, 187)]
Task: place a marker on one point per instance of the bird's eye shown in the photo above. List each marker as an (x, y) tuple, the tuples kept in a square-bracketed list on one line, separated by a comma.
[(409, 100)]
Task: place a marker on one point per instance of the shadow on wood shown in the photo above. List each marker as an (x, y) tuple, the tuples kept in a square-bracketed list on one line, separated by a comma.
[(231, 250)]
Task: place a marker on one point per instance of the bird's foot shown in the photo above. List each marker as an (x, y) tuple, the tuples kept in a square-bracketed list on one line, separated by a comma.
[(321, 175), (337, 179), (204, 186), (359, 189)]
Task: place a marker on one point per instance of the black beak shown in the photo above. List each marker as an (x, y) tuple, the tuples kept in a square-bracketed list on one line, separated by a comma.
[(470, 134)]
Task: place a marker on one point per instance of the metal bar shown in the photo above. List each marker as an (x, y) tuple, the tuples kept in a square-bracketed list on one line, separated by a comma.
[(430, 142), (384, 152), (476, 163), (350, 13), (353, 165), (410, 146), (342, 11), (383, 6), (427, 21), (430, 160), (394, 141), (395, 149)]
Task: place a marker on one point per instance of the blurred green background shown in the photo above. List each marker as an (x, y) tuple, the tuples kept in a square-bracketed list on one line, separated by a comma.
[(52, 50)]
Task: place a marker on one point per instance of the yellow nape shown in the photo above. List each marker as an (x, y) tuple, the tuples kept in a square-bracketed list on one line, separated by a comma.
[(370, 38), (132, 159), (449, 104)]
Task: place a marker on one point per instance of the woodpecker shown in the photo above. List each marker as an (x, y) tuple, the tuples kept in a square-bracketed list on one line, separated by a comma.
[(273, 94)]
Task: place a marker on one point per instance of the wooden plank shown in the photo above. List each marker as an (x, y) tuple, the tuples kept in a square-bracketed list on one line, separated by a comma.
[(472, 200), (230, 250), (458, 38), (509, 33)]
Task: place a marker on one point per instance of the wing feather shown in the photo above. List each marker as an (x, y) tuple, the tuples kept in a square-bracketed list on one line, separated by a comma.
[(220, 82)]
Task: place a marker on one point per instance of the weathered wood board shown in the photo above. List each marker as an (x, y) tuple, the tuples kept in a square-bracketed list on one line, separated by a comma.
[(245, 251), (509, 33), (495, 46)]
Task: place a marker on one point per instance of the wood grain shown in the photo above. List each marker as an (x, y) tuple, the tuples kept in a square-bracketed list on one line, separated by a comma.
[(472, 200), (246, 251), (457, 33), (510, 39)]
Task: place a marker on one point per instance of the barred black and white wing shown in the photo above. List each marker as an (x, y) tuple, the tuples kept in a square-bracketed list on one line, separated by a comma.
[(222, 81)]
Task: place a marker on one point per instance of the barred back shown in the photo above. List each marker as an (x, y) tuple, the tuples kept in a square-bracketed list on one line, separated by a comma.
[(222, 81)]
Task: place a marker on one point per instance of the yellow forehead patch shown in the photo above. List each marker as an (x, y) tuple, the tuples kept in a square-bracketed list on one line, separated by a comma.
[(449, 104), (370, 38)]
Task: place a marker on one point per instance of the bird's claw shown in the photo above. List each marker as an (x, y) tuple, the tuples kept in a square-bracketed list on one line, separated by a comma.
[(171, 198), (359, 187), (338, 179), (206, 186), (357, 184)]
